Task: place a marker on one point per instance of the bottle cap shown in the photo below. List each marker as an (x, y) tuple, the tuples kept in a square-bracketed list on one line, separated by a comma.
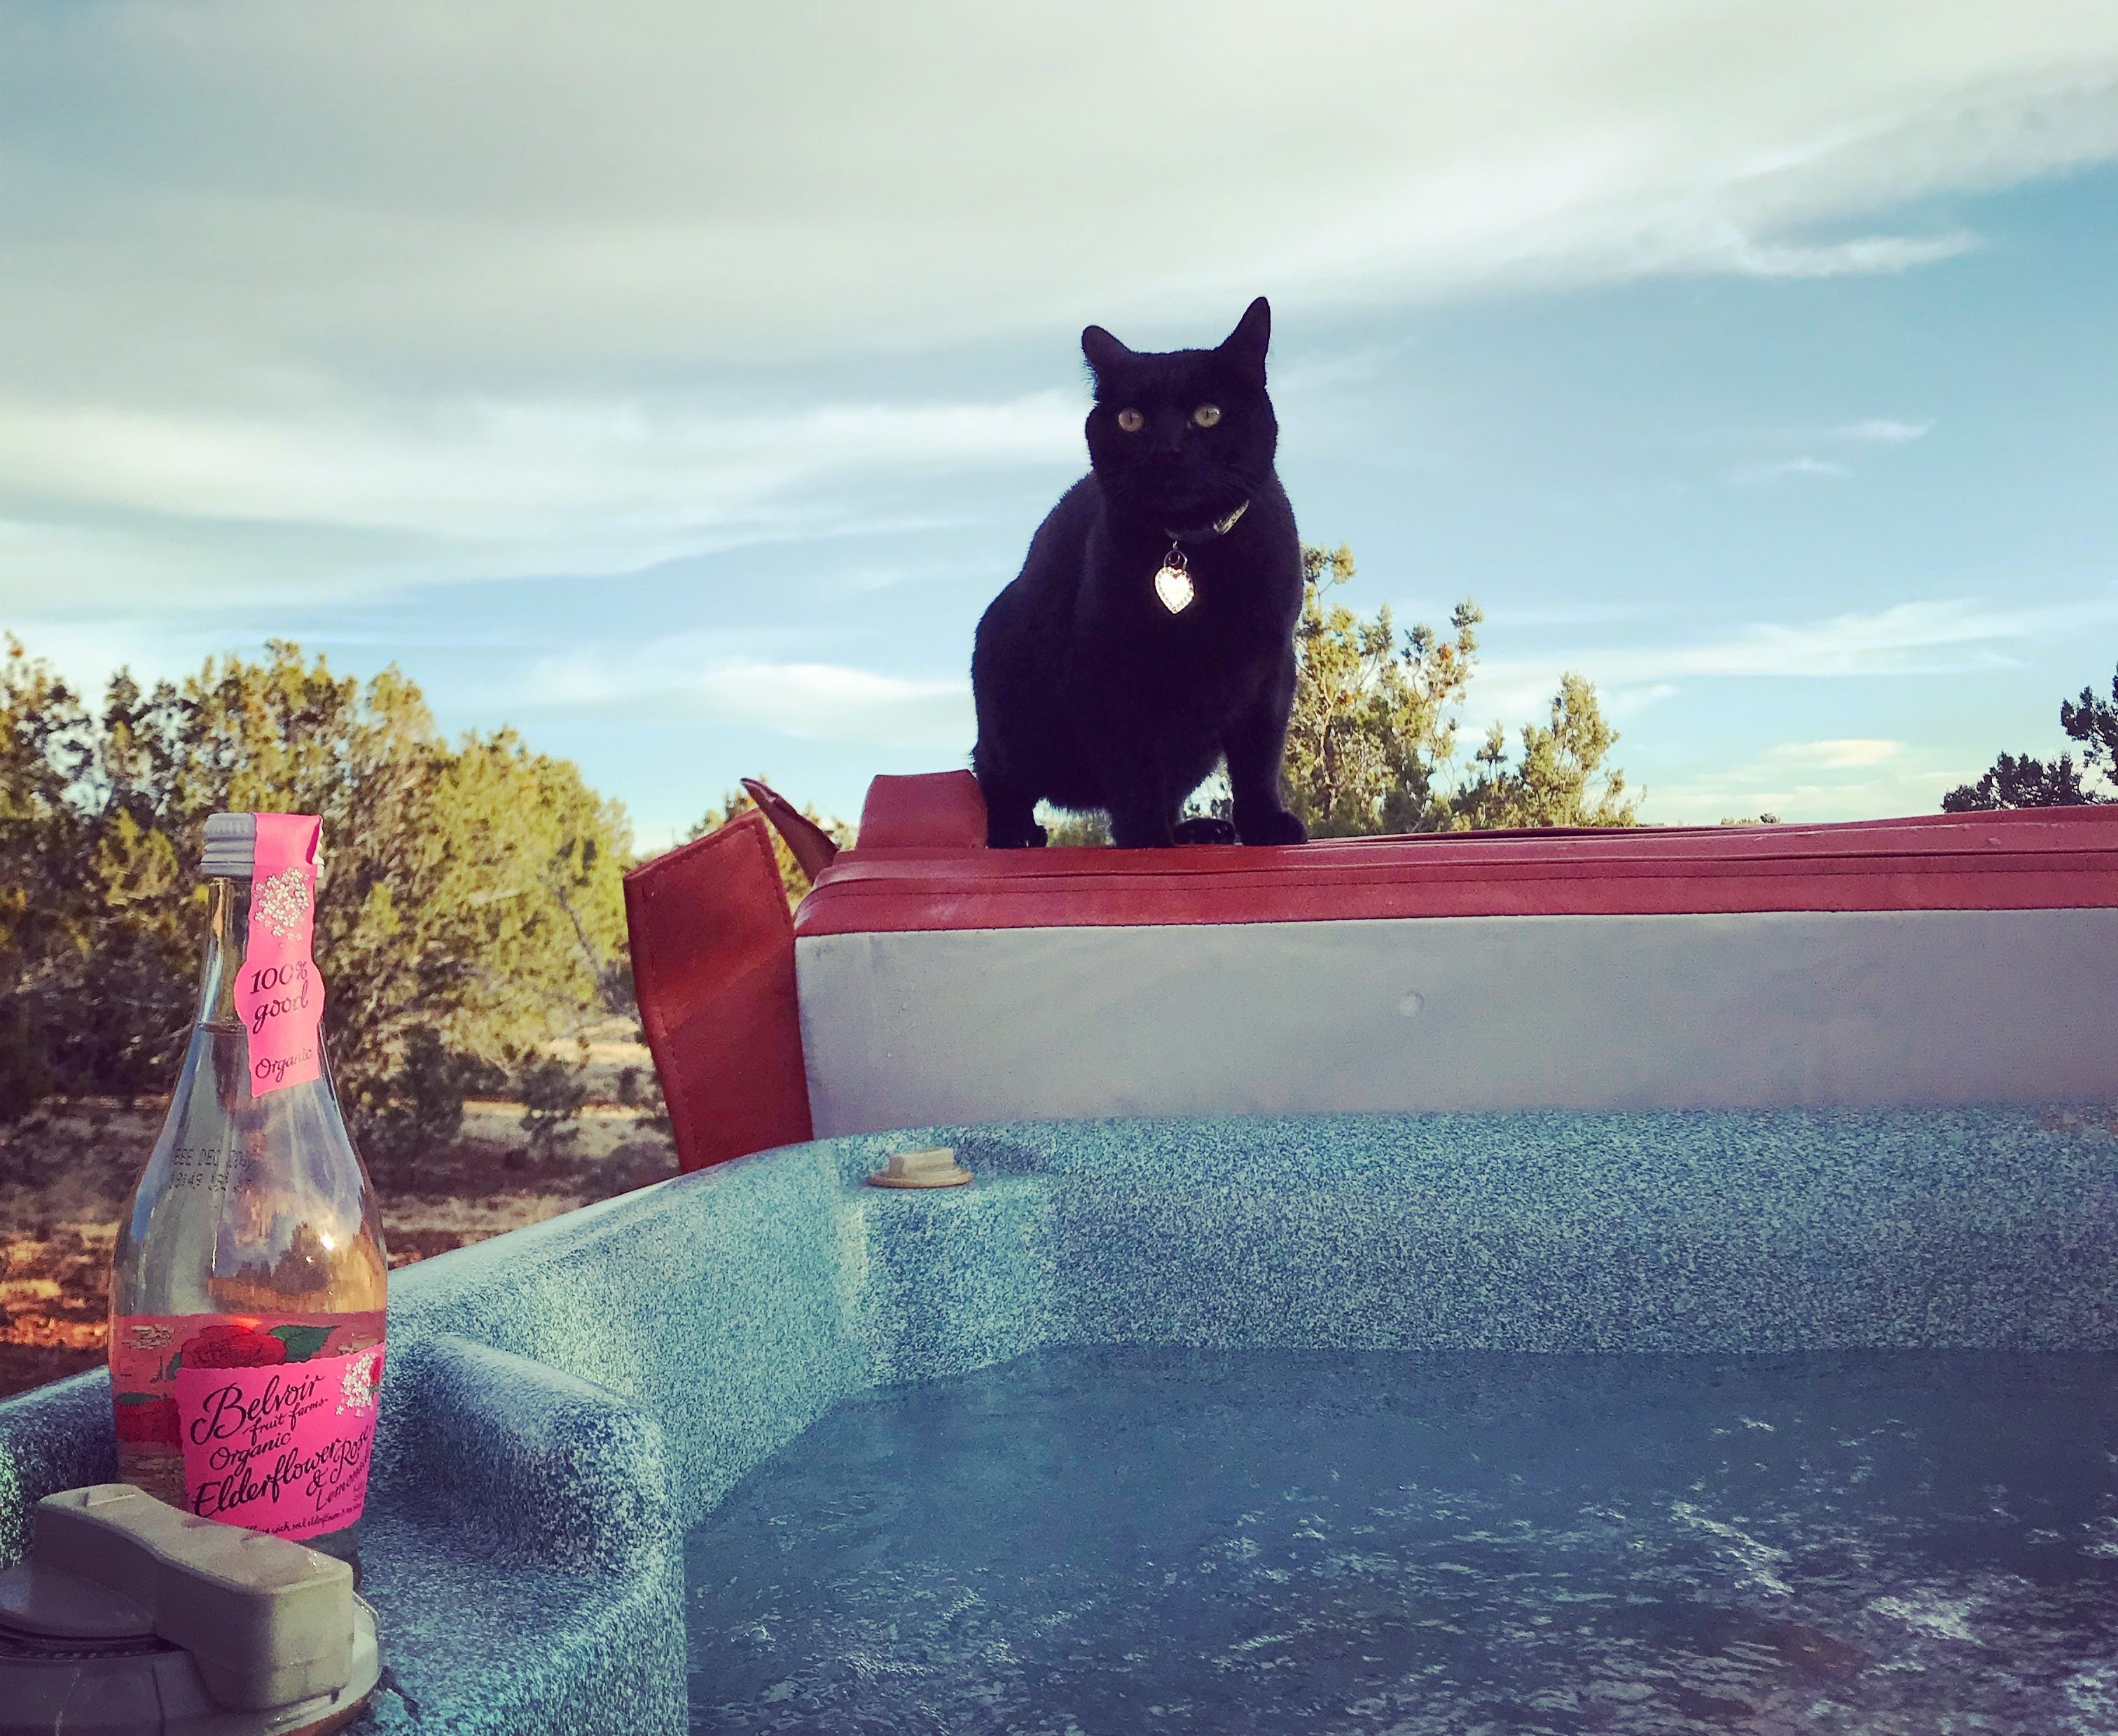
[(231, 846), (231, 850)]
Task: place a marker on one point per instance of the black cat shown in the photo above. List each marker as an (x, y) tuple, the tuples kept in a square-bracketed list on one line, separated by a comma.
[(1151, 630)]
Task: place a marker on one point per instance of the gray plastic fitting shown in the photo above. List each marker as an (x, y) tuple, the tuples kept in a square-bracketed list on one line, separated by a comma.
[(130, 1615)]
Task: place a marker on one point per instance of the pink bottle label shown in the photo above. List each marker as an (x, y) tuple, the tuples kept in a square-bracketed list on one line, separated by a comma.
[(283, 1447), (278, 996)]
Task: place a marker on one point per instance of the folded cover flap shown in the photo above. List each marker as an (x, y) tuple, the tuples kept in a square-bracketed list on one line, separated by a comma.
[(713, 965), (813, 847)]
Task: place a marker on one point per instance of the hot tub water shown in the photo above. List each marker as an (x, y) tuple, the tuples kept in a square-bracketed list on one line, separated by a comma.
[(1151, 1539)]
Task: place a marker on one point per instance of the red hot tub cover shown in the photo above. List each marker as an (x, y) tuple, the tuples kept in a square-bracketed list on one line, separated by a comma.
[(1944, 959)]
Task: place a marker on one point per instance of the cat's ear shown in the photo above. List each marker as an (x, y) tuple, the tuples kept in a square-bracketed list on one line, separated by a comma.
[(1246, 344), (1103, 351)]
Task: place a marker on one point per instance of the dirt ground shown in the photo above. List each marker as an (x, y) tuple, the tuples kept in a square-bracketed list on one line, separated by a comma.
[(67, 1173)]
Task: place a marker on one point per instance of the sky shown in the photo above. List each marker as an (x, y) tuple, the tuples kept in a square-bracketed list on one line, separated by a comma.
[(677, 384)]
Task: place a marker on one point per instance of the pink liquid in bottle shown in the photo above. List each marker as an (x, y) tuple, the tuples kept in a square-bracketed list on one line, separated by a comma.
[(247, 1295)]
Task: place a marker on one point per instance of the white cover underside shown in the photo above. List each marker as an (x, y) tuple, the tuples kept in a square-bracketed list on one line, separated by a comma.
[(1776, 1009)]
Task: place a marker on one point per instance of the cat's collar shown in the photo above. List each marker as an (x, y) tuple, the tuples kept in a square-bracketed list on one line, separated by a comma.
[(1218, 527), (1173, 579)]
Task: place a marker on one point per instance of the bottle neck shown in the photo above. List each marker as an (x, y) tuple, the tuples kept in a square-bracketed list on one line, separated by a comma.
[(227, 926)]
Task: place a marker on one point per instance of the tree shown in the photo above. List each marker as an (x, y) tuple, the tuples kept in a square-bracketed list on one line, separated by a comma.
[(470, 896), (1556, 782), (2022, 781), (1065, 831), (552, 1094), (44, 907), (1372, 731), (1372, 735), (1372, 741)]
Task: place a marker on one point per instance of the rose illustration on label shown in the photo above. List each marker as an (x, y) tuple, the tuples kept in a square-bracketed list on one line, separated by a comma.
[(147, 1421), (232, 1345)]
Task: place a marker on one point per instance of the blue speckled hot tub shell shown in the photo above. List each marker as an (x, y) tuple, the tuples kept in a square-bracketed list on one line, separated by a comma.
[(565, 1401)]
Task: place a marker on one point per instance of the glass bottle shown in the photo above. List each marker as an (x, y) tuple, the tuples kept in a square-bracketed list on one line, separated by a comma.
[(248, 1293)]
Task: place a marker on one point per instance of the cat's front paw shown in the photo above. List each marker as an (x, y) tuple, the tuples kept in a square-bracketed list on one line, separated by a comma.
[(1032, 837), (1274, 826), (1205, 829)]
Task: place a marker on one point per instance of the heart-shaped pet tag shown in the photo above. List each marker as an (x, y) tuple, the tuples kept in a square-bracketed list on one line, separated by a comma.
[(1172, 584)]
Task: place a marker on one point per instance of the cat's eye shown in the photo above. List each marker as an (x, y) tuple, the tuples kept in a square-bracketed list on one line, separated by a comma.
[(1206, 415), (1131, 421)]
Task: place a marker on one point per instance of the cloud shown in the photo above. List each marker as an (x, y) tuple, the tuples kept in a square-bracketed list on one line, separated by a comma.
[(1882, 429), (1756, 475), (1865, 257), (1748, 791), (1936, 636), (446, 491), (1876, 431), (85, 654), (1845, 779), (1325, 374), (809, 701), (1623, 703), (1929, 636), (1849, 753), (485, 304), (1507, 615), (650, 184)]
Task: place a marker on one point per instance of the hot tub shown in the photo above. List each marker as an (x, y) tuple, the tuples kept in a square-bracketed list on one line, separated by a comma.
[(1723, 1336), (1622, 1281)]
